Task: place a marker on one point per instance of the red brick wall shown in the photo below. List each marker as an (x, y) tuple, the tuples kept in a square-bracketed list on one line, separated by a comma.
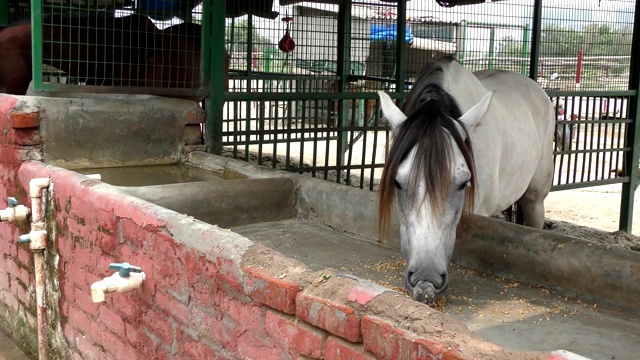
[(209, 293), (19, 142)]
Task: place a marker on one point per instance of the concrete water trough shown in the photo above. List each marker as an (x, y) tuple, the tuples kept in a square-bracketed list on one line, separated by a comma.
[(519, 288), (244, 261)]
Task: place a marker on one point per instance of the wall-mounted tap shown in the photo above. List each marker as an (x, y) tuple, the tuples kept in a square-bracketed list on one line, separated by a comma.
[(127, 278), (14, 212)]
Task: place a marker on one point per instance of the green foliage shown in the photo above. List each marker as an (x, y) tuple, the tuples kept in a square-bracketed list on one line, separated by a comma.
[(559, 41), (604, 41), (238, 37), (509, 47)]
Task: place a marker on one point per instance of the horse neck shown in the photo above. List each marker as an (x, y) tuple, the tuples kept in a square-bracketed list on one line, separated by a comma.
[(463, 86)]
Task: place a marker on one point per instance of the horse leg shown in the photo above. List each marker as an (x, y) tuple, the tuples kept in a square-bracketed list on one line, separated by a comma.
[(532, 210), (532, 202)]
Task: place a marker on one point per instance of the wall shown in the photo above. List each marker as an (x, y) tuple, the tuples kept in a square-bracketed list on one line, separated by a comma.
[(20, 142), (209, 293)]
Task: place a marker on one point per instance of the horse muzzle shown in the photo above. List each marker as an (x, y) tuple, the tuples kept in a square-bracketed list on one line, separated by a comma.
[(425, 291)]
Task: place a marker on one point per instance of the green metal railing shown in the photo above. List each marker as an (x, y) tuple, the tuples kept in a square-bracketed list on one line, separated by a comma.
[(283, 111), (321, 130), (590, 138), (4, 12), (93, 51)]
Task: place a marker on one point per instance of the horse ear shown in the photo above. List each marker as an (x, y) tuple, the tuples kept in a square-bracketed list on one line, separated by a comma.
[(390, 110), (473, 115)]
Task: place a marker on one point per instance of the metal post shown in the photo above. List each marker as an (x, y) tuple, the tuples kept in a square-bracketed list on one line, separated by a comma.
[(36, 44), (632, 133), (463, 42), (213, 21), (4, 12), (344, 65), (535, 40), (492, 40), (401, 46), (579, 69), (524, 52)]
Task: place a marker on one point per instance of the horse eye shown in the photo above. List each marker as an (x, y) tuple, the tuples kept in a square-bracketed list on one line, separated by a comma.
[(464, 185), (397, 185)]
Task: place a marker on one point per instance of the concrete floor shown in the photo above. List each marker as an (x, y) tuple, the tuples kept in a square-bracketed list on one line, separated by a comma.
[(505, 312)]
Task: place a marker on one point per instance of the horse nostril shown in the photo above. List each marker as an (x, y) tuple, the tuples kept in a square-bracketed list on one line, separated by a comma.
[(440, 282), (444, 284), (410, 280)]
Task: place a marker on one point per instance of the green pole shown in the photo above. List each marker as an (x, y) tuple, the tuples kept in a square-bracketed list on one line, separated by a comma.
[(344, 65), (492, 40), (632, 134), (463, 40), (524, 50), (267, 59), (401, 46), (535, 40), (4, 12), (213, 21), (36, 44)]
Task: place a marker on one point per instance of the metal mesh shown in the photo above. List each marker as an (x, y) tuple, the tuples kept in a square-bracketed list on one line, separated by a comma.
[(114, 47), (18, 10), (314, 109)]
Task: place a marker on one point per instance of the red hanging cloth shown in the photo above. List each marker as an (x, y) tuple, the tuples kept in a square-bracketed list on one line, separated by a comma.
[(286, 44)]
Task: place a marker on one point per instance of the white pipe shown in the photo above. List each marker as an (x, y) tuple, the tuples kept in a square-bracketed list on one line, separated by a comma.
[(38, 244), (35, 190), (115, 283), (14, 213)]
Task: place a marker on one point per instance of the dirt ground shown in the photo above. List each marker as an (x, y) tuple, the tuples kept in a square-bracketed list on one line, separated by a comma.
[(592, 214)]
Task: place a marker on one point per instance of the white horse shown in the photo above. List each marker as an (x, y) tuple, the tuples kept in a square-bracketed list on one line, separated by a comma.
[(436, 174)]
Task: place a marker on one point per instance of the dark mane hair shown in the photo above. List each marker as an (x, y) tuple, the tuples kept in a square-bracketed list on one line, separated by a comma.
[(432, 114)]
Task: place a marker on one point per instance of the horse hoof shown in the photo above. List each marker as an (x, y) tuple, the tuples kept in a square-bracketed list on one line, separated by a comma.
[(424, 292)]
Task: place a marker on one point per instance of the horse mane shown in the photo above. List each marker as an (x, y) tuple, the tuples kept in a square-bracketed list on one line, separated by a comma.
[(432, 116)]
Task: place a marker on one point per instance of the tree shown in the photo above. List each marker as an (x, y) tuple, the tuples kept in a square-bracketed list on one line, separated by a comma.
[(593, 39), (559, 41), (509, 47), (240, 33), (602, 40)]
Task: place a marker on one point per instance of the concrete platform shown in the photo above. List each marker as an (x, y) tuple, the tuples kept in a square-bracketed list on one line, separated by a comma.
[(505, 312)]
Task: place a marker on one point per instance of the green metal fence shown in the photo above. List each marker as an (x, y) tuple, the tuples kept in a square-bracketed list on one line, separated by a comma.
[(314, 110), (117, 46), (301, 90), (12, 11)]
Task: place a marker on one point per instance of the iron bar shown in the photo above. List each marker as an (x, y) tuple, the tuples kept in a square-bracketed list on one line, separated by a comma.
[(4, 12), (214, 12), (36, 43), (632, 134), (536, 29)]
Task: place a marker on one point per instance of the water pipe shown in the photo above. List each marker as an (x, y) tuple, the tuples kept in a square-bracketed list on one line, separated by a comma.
[(14, 212), (126, 279), (37, 240)]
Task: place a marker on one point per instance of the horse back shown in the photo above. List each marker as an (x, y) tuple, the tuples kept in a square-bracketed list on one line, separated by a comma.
[(175, 60), (520, 99), (514, 140)]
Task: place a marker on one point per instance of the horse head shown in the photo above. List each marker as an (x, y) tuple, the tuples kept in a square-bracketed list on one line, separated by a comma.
[(430, 170)]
